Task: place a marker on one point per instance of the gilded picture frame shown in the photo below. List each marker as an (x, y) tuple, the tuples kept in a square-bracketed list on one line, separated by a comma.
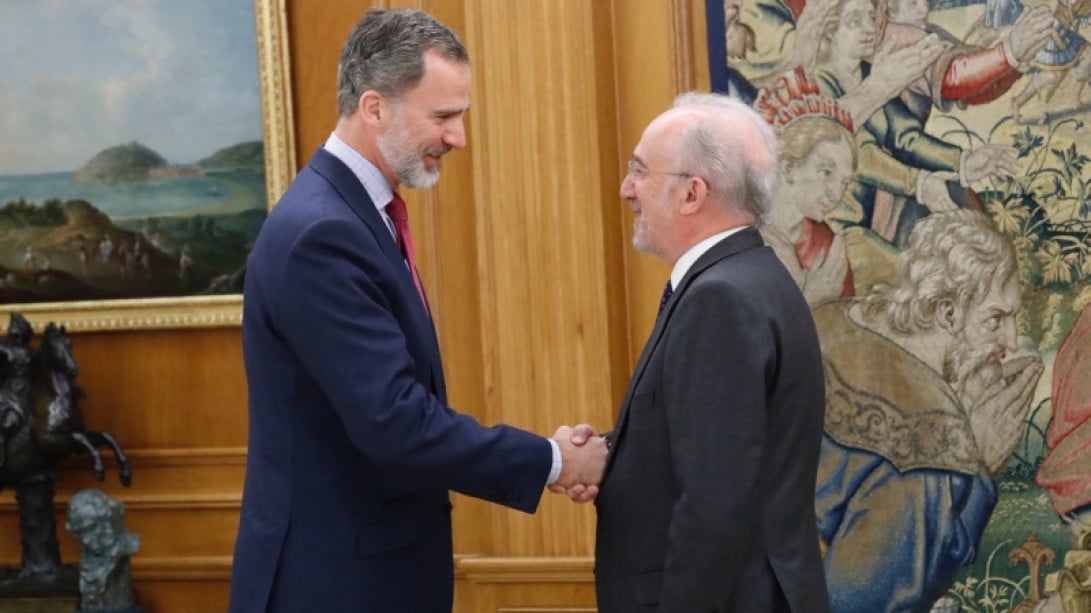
[(199, 311)]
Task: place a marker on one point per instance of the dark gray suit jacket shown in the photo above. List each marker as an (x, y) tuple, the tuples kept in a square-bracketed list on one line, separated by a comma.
[(708, 499)]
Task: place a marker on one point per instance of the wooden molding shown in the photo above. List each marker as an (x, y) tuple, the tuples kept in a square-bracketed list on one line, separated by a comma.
[(681, 34), (195, 568), (189, 456), (488, 569)]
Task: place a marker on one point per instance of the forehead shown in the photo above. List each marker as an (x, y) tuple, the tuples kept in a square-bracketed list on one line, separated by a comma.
[(1003, 295), (445, 84), (658, 136), (831, 152)]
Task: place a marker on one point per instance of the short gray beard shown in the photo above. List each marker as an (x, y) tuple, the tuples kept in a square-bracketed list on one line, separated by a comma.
[(407, 163)]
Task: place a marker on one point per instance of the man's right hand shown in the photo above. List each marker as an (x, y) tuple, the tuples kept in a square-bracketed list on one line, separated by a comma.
[(1030, 33), (892, 71), (583, 461), (999, 418)]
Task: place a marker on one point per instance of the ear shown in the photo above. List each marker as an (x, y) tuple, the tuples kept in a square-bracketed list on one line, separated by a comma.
[(949, 316), (372, 107), (695, 196)]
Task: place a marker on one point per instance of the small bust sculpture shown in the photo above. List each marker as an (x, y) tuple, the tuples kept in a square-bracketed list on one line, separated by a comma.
[(96, 520)]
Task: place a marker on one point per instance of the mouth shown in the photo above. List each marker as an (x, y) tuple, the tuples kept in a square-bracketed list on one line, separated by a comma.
[(432, 156)]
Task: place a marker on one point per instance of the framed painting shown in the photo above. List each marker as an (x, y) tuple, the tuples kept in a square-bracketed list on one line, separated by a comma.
[(142, 146), (933, 154)]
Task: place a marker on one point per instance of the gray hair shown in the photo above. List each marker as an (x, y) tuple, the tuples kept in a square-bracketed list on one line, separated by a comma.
[(385, 53), (954, 256), (737, 160)]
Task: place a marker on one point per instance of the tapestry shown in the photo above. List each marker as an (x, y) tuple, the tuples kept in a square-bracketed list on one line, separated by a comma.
[(933, 205)]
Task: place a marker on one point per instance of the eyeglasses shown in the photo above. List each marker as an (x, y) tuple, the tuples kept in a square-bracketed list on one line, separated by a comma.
[(636, 171)]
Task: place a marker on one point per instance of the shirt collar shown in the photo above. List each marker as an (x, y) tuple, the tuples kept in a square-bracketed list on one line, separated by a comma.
[(686, 261), (367, 173)]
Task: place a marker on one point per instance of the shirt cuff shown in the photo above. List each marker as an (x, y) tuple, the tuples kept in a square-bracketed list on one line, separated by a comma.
[(1009, 55), (555, 470)]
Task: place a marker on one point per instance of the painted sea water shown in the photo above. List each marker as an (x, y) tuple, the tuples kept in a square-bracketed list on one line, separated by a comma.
[(212, 193)]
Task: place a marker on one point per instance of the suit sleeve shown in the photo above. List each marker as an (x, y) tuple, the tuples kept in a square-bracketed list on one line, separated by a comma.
[(338, 319), (720, 349)]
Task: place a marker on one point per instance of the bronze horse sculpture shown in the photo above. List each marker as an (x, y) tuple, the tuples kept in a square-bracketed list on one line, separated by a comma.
[(41, 423)]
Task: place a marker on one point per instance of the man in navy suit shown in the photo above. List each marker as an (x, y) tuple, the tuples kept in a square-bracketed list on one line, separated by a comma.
[(707, 503), (352, 446)]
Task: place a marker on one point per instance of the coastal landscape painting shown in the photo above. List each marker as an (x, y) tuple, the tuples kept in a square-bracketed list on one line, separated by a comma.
[(133, 162)]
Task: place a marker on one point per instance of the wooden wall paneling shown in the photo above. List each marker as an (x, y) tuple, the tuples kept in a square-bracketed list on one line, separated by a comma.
[(613, 209), (202, 594), (316, 31), (446, 217), (697, 48), (657, 59), (165, 388), (525, 585), (545, 331)]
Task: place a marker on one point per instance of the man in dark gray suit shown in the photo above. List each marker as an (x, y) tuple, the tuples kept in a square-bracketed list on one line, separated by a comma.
[(707, 503)]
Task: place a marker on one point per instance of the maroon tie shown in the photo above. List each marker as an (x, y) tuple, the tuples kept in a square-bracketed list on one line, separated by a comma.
[(400, 216)]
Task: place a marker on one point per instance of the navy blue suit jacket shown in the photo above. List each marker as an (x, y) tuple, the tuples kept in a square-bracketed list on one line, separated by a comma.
[(352, 448)]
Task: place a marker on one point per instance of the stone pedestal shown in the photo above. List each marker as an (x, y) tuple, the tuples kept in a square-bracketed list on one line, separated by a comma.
[(39, 604)]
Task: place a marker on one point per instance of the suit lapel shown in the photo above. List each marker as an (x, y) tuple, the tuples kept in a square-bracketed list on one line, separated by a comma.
[(341, 178), (745, 239), (346, 184)]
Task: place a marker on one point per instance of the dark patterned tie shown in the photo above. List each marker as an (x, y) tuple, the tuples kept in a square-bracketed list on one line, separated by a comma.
[(667, 291), (400, 216)]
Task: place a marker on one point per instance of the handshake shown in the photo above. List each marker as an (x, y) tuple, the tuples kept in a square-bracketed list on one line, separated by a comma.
[(583, 461)]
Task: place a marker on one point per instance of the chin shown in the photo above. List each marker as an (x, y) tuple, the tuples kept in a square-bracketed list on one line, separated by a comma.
[(421, 178)]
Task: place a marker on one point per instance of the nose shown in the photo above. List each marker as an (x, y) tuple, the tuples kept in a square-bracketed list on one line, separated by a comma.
[(455, 136), (834, 190), (1006, 335), (627, 191)]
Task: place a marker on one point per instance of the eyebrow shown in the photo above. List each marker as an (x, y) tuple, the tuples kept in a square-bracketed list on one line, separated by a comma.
[(450, 111), (999, 308)]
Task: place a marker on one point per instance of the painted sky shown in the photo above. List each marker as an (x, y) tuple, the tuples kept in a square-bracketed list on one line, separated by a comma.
[(79, 76)]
